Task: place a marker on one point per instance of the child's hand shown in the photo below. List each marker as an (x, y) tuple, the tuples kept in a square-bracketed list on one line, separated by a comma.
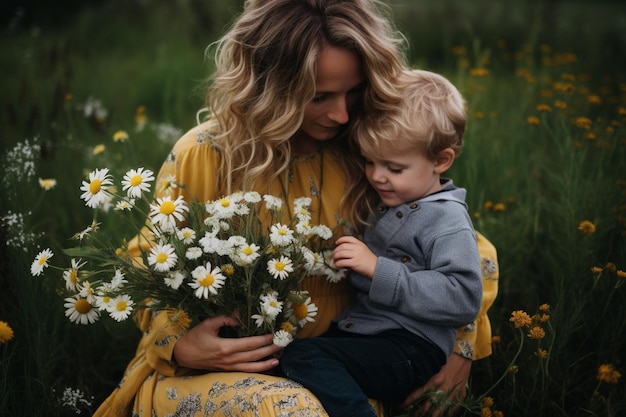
[(354, 254)]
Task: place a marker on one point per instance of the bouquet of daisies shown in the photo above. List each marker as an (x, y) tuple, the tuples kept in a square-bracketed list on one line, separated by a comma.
[(229, 256)]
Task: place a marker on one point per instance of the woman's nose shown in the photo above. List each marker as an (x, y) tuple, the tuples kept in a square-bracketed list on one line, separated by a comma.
[(339, 111)]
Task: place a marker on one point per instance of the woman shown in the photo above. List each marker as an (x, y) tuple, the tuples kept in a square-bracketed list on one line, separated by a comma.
[(292, 77)]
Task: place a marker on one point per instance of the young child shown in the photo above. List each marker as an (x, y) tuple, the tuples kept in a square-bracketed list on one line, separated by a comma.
[(416, 273)]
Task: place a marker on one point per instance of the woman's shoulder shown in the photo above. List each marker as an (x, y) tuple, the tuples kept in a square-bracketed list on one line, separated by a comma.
[(201, 135)]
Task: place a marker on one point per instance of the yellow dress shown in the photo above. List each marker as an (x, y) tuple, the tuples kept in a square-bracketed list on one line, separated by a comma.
[(153, 385)]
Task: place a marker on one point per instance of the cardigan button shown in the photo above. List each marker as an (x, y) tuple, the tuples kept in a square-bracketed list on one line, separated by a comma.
[(382, 209), (405, 259), (414, 206), (399, 214), (348, 325)]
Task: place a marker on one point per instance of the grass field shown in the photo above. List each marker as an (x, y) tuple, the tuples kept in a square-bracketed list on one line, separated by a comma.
[(544, 165)]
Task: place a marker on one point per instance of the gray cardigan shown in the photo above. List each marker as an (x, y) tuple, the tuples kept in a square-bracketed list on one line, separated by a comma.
[(427, 278)]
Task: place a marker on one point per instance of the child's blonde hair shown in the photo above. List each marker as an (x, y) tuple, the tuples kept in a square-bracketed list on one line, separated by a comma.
[(431, 118)]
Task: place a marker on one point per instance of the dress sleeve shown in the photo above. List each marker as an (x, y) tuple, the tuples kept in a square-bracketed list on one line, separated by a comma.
[(474, 340)]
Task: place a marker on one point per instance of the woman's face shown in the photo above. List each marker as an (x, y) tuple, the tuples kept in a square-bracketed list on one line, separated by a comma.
[(338, 86)]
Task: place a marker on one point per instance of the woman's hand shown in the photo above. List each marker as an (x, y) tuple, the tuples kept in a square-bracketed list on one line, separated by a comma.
[(451, 381), (203, 348)]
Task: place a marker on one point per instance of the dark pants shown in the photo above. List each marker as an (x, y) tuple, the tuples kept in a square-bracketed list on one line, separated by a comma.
[(344, 369)]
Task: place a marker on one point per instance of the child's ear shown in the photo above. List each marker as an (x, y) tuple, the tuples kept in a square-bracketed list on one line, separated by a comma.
[(444, 160)]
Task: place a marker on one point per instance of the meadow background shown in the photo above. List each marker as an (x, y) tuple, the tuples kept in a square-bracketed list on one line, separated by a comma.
[(544, 163)]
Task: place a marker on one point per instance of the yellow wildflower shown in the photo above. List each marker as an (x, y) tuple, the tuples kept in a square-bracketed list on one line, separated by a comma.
[(98, 149), (499, 207), (6, 332), (621, 274), (488, 205), (543, 108), (180, 319), (586, 228), (583, 122), (536, 333), (560, 104), (479, 72), (459, 50), (513, 369), (544, 307), (621, 111), (498, 413), (606, 373), (520, 319), (120, 136), (486, 412), (488, 402), (495, 339), (541, 353), (611, 266), (596, 270), (590, 136), (594, 99), (533, 120), (68, 97)]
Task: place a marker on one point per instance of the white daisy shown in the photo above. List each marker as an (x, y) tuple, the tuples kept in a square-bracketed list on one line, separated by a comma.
[(223, 208), (206, 280), (193, 252), (137, 181), (322, 231), (162, 257), (81, 311), (71, 275), (271, 306), (209, 243), (258, 319), (103, 302), (40, 262), (125, 204), (85, 290), (281, 235), (95, 191), (333, 274), (174, 279), (272, 202), (118, 280), (167, 184), (247, 254), (280, 268), (187, 235), (252, 197), (166, 212), (121, 307), (282, 338), (302, 311)]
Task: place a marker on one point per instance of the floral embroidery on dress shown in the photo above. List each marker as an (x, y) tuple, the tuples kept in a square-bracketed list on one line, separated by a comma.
[(464, 348), (489, 269), (172, 393), (164, 341), (315, 192), (188, 406)]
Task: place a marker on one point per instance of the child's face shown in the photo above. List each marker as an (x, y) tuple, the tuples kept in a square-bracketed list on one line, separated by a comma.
[(401, 177), (338, 86)]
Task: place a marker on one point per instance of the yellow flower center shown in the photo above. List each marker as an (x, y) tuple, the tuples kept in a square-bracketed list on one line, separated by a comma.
[(300, 311), (248, 250), (121, 306), (82, 306), (136, 180), (207, 281), (279, 266), (167, 208), (225, 202), (43, 260), (282, 232), (161, 258), (94, 186), (73, 276)]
